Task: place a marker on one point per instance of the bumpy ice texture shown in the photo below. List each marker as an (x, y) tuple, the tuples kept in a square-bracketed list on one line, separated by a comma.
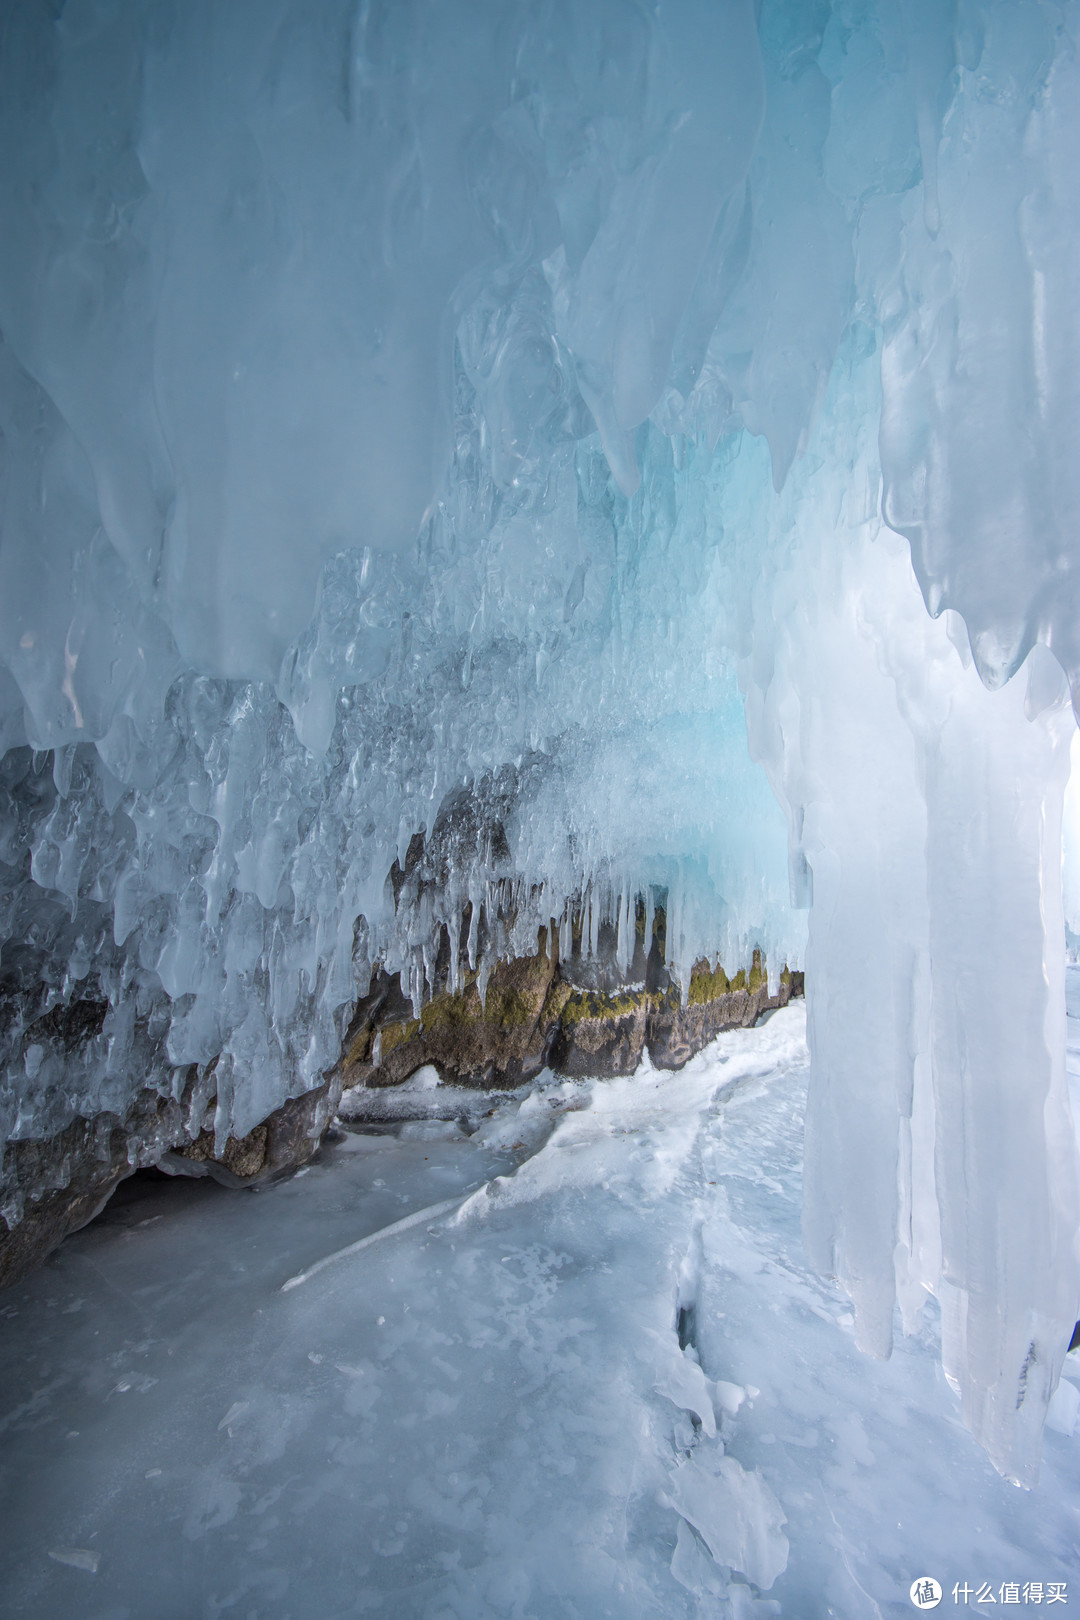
[(477, 420)]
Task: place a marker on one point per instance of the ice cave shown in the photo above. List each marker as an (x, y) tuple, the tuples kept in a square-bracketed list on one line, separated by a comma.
[(539, 808)]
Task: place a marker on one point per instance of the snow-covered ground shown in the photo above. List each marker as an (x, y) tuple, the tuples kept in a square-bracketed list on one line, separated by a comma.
[(595, 1378)]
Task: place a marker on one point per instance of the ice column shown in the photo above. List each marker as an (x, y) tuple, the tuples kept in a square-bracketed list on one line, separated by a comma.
[(940, 1154), (996, 766)]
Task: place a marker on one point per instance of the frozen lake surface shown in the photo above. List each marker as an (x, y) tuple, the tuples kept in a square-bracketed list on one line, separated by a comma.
[(595, 1379)]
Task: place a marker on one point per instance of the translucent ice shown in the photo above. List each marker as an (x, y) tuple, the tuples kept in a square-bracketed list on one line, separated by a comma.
[(473, 422)]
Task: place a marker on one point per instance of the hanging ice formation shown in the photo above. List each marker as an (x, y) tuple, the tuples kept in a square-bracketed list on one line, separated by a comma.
[(404, 401)]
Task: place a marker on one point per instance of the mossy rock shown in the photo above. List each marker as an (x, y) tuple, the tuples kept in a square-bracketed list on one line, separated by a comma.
[(67, 1179), (707, 983), (496, 1042), (594, 1006), (533, 1015), (243, 1157), (392, 1035), (601, 1034)]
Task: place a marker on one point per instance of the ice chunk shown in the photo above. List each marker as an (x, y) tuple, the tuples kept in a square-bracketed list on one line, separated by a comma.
[(694, 1567), (735, 1513), (419, 1217), (731, 1396), (685, 1385), (76, 1558)]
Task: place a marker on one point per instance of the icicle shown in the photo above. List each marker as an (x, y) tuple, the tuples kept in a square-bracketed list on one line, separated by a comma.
[(474, 923), (482, 979), (625, 936), (454, 934), (674, 934)]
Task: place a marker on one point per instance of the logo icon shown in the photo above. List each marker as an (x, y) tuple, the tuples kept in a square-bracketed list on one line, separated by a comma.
[(925, 1592)]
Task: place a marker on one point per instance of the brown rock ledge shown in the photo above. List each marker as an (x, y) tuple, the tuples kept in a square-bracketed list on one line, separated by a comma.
[(62, 1182), (538, 1012), (535, 1015)]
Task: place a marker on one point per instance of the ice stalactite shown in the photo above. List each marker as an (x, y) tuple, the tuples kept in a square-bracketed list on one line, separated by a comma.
[(940, 1153), (432, 439)]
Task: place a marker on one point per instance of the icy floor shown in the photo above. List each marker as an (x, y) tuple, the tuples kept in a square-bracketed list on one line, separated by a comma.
[(488, 1413)]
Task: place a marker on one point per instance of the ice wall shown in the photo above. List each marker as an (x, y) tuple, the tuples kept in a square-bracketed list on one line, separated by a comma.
[(449, 418), (940, 1153)]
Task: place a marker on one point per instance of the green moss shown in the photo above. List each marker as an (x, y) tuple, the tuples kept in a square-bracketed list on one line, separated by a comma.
[(360, 1050), (394, 1034), (447, 1011), (559, 993), (706, 984), (509, 1008), (589, 1004), (506, 1006)]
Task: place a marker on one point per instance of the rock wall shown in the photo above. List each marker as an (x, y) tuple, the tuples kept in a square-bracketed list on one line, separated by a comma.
[(63, 1182), (577, 1017), (536, 1013)]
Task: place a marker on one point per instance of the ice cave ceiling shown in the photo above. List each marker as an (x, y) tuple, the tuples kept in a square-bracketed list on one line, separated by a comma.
[(415, 403)]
